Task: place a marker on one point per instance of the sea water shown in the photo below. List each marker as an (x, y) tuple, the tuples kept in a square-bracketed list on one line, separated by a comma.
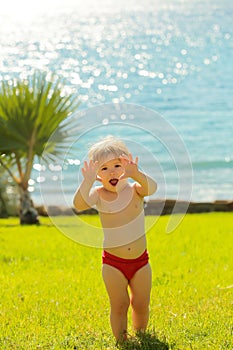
[(172, 57)]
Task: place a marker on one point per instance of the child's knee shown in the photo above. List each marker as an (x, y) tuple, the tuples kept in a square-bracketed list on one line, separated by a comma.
[(139, 306), (121, 307)]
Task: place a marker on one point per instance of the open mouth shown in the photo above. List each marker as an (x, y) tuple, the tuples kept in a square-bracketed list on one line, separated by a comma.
[(113, 182)]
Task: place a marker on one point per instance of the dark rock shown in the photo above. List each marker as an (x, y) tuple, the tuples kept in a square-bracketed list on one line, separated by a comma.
[(152, 207), (164, 207)]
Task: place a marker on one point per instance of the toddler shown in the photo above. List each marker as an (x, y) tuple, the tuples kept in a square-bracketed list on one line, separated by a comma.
[(120, 206)]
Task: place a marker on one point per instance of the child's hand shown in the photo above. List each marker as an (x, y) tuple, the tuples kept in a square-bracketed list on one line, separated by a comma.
[(89, 171), (130, 165)]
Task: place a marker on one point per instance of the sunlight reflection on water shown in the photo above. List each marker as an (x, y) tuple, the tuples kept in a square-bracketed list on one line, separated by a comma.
[(145, 53)]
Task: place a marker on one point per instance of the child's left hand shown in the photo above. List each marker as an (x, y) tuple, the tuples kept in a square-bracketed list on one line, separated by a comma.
[(130, 165)]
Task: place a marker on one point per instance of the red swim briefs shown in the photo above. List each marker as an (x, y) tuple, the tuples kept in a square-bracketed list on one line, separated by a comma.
[(127, 266)]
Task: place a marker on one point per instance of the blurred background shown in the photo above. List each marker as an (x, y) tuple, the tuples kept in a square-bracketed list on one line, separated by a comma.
[(173, 57)]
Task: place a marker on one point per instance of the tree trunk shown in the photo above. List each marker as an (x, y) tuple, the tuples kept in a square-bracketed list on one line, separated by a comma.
[(27, 213), (3, 208)]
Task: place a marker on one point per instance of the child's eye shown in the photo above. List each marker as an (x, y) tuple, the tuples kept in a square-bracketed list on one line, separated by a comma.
[(104, 168), (117, 165)]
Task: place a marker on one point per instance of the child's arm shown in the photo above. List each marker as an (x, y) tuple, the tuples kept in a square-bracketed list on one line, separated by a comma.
[(145, 185), (86, 197)]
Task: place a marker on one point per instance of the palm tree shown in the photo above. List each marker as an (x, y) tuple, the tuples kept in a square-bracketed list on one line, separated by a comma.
[(30, 111)]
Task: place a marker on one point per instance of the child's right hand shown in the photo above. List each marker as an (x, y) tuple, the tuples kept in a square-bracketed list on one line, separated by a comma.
[(90, 170)]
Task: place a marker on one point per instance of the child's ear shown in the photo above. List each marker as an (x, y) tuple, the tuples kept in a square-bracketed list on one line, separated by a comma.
[(98, 178)]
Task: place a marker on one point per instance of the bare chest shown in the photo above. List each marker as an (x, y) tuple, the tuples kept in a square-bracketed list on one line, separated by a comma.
[(126, 206)]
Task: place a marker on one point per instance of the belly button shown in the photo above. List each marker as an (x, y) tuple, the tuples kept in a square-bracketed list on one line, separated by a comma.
[(129, 248)]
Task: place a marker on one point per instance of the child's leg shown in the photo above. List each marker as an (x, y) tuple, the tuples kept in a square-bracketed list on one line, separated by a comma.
[(140, 286), (116, 285)]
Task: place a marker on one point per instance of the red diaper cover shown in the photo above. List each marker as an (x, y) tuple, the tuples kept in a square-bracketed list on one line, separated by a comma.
[(127, 266)]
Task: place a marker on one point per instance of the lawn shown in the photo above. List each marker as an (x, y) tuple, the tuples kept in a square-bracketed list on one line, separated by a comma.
[(52, 295)]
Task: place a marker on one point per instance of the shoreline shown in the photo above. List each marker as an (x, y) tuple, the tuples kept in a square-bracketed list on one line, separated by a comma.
[(152, 207)]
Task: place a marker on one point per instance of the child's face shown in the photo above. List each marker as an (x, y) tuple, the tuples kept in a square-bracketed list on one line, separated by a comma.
[(109, 172)]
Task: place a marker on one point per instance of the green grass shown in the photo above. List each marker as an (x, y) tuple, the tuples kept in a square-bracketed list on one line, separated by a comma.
[(52, 295)]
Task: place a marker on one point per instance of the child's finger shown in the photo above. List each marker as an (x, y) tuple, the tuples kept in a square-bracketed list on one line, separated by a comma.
[(136, 160), (130, 157), (123, 176), (123, 159), (98, 178), (96, 164)]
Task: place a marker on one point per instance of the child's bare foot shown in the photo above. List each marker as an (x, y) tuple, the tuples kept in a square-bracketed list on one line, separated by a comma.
[(127, 341)]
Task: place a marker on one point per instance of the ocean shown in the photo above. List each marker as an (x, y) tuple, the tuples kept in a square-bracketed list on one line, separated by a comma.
[(156, 73)]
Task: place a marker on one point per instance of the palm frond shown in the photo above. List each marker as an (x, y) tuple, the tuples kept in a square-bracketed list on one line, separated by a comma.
[(30, 112), (33, 107)]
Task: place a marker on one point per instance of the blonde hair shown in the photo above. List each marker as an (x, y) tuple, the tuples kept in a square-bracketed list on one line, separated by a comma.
[(110, 145)]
